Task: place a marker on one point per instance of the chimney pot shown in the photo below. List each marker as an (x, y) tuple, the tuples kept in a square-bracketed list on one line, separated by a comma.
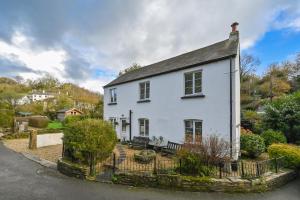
[(234, 26)]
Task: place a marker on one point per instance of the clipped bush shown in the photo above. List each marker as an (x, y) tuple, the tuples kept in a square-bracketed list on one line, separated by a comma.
[(290, 152), (38, 122), (144, 156), (253, 144), (270, 137), (72, 118), (89, 141)]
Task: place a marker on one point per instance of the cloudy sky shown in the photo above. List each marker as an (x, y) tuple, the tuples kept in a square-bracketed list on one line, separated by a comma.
[(88, 41)]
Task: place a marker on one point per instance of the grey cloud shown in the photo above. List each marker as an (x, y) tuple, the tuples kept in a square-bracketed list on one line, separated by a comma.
[(76, 67), (123, 32), (11, 66)]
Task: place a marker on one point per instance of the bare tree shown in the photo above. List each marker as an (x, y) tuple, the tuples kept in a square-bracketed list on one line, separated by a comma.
[(248, 65)]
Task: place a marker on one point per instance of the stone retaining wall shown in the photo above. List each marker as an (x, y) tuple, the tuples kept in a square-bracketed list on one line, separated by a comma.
[(72, 169), (178, 182)]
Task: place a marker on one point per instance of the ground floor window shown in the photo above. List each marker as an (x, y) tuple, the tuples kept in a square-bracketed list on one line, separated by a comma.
[(144, 127), (113, 121), (193, 130), (123, 123)]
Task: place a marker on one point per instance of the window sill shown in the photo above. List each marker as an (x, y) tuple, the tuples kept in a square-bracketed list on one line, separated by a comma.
[(110, 104), (144, 101), (193, 96)]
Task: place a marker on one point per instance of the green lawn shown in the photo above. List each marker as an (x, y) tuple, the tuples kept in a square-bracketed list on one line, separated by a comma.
[(55, 125)]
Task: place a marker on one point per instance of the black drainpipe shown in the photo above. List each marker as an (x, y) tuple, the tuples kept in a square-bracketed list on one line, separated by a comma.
[(230, 75), (130, 114)]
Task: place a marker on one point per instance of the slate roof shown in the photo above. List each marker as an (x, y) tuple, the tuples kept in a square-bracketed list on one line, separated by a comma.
[(214, 52), (67, 109)]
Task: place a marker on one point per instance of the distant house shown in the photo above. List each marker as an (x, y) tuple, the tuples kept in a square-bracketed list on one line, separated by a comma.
[(34, 96), (61, 114), (23, 100), (40, 96)]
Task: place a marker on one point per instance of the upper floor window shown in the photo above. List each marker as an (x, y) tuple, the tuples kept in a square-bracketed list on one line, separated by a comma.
[(144, 127), (193, 83), (113, 95), (144, 90)]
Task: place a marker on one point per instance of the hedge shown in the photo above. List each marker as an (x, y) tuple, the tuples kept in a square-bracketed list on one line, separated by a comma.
[(290, 152), (38, 122)]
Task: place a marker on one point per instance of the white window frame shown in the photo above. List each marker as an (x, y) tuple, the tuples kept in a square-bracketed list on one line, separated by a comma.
[(144, 86), (144, 132), (193, 82), (194, 121), (113, 95)]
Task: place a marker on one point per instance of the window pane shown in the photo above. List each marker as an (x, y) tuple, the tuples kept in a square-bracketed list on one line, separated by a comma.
[(188, 131), (142, 127), (198, 82), (146, 127), (115, 95), (147, 90), (142, 90), (188, 80), (188, 77), (198, 75), (123, 125), (198, 131), (188, 90)]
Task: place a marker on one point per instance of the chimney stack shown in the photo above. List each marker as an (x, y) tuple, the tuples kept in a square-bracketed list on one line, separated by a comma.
[(234, 27), (234, 35)]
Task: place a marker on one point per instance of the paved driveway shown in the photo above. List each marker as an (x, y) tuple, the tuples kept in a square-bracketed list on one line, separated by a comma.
[(23, 179)]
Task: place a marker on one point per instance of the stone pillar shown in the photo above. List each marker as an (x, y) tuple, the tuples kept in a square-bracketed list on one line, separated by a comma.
[(32, 139)]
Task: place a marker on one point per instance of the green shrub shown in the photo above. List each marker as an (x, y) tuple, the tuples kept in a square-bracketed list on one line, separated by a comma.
[(6, 118), (253, 144), (72, 118), (194, 164), (89, 141), (38, 122), (145, 156), (290, 152), (270, 137)]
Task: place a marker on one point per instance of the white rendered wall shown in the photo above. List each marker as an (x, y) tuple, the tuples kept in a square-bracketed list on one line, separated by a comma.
[(49, 139), (167, 111)]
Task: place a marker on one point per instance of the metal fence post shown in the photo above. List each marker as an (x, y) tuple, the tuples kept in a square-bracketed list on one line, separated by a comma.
[(180, 166), (114, 162), (154, 169), (257, 169), (220, 170), (276, 165), (243, 173), (63, 150)]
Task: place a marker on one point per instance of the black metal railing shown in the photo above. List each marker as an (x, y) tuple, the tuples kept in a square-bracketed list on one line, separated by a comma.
[(162, 165)]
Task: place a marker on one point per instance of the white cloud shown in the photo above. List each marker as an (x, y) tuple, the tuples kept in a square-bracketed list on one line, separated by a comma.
[(71, 42)]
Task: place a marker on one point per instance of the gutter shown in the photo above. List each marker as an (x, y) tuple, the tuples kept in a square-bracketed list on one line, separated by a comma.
[(130, 126), (230, 105)]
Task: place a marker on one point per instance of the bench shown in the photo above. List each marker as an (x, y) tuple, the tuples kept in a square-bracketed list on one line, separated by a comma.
[(139, 142), (171, 148)]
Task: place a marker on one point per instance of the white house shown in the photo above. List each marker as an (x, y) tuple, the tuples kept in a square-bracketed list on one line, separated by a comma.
[(40, 96), (183, 98), (23, 100)]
